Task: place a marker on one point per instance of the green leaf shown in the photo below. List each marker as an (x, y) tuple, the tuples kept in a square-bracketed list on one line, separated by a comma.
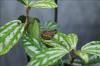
[(39, 4), (68, 41), (51, 25), (93, 61), (9, 35), (34, 28), (83, 56), (22, 1), (43, 4), (72, 39), (78, 62), (47, 57), (32, 45), (57, 41), (92, 48), (25, 2)]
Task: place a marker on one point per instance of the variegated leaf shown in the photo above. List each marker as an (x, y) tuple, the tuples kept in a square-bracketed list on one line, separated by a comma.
[(50, 25), (57, 41), (32, 45), (47, 57), (72, 39), (43, 4), (93, 61), (92, 48), (67, 41), (83, 56), (25, 2), (22, 1), (9, 35), (77, 62)]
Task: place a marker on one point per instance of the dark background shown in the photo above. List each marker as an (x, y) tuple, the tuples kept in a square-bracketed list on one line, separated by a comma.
[(74, 16)]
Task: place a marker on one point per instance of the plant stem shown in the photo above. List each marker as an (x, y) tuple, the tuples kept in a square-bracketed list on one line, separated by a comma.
[(27, 18), (72, 56), (61, 62), (27, 24)]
